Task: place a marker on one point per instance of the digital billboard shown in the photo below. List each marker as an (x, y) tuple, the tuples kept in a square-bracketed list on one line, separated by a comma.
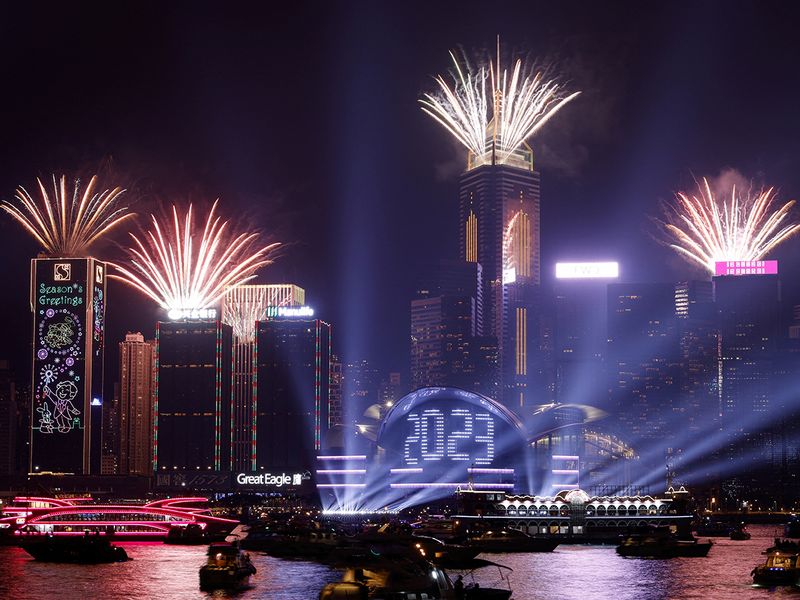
[(746, 267), (68, 303)]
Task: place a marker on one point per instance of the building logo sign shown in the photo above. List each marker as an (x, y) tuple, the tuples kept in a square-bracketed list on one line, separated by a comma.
[(179, 314), (746, 267), (289, 311), (272, 480), (62, 272), (587, 270)]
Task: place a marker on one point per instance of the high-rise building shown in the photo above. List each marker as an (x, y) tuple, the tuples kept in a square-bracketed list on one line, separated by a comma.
[(242, 307), (136, 395), (109, 461), (360, 390), (643, 366), (499, 229), (8, 420), (293, 416), (68, 298), (335, 391), (192, 425)]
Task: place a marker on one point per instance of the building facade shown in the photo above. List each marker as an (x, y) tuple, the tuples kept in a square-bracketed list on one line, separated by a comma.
[(136, 394)]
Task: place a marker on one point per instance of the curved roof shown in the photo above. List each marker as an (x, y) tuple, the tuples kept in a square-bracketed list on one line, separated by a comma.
[(428, 394)]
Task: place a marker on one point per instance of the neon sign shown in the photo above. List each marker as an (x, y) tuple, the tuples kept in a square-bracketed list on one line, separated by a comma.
[(587, 270), (289, 311), (460, 434), (746, 267), (178, 314), (271, 480)]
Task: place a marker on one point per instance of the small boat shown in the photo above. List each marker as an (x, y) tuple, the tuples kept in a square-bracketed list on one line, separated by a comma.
[(780, 568), (189, 535), (510, 540), (740, 533), (473, 591), (85, 550), (661, 543), (227, 567), (709, 527)]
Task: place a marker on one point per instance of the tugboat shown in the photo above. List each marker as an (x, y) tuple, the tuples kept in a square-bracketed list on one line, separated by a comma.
[(661, 543), (227, 568), (84, 550), (780, 568)]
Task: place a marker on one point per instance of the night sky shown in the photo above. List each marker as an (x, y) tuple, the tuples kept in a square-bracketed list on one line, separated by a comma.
[(304, 120)]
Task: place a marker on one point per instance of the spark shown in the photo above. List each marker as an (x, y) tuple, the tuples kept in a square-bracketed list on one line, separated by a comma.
[(244, 305), (177, 273), (521, 104), (67, 224), (705, 230)]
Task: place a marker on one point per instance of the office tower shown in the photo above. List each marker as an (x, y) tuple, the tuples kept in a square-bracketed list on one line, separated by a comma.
[(580, 333), (109, 461), (643, 366), (8, 420), (750, 331), (192, 429), (446, 322), (68, 298), (242, 307), (499, 229), (360, 390), (292, 391), (335, 391), (390, 390), (136, 392)]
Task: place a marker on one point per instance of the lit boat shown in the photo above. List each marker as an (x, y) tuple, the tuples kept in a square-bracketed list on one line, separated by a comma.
[(660, 542), (780, 568), (227, 568), (75, 516)]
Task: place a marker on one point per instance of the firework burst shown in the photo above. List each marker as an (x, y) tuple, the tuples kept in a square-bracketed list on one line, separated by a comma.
[(67, 222), (521, 103), (747, 227), (179, 272)]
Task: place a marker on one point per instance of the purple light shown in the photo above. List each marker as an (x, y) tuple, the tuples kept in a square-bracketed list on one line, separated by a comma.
[(452, 485), (565, 457), (571, 486), (341, 471), (407, 470), (342, 485), (498, 471), (565, 471), (344, 457)]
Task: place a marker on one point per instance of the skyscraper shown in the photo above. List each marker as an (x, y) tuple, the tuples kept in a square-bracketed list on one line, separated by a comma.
[(68, 298), (192, 429), (136, 393), (499, 229), (293, 416), (8, 420), (242, 306)]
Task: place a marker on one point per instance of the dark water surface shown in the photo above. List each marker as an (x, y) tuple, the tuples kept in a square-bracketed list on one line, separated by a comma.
[(571, 572)]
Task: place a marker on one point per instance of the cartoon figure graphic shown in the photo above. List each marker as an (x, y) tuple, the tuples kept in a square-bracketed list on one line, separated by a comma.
[(60, 335), (64, 409), (45, 420)]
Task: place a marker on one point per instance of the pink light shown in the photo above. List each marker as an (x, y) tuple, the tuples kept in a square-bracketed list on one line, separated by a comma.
[(565, 457), (341, 471), (344, 457), (571, 486), (343, 485), (498, 471), (565, 471), (439, 484), (407, 470), (746, 267)]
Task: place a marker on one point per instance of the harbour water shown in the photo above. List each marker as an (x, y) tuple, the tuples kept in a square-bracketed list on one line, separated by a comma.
[(161, 572)]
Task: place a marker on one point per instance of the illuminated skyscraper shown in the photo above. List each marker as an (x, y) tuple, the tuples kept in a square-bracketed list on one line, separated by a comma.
[(242, 307), (499, 229), (68, 298), (293, 416), (192, 429), (136, 393)]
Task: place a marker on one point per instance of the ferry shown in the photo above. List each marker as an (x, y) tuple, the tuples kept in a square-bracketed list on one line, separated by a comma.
[(32, 515), (572, 516)]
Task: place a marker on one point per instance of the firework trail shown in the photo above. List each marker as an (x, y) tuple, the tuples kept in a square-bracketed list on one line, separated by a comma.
[(67, 224), (179, 273), (521, 103), (705, 230)]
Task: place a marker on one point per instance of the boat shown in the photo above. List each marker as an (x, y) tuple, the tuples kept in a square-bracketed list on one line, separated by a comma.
[(660, 542), (473, 591), (792, 528), (85, 550), (187, 535), (740, 533), (509, 540), (227, 567), (780, 568), (709, 527)]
